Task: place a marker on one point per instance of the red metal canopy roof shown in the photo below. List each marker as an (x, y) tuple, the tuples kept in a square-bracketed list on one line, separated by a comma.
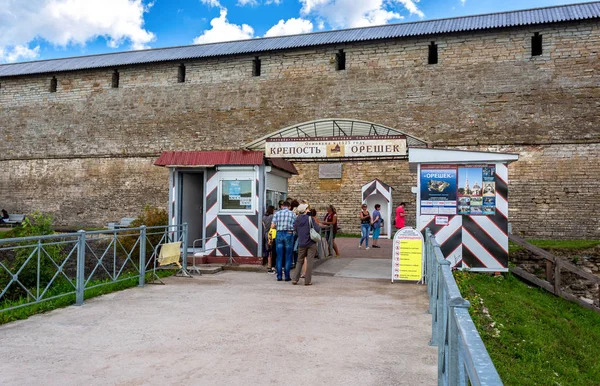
[(213, 158), (210, 158), (283, 164)]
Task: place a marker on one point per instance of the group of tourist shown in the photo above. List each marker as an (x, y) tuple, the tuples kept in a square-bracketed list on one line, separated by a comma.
[(290, 245), (288, 240)]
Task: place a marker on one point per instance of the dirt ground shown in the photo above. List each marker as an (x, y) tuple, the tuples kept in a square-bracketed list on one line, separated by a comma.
[(229, 329)]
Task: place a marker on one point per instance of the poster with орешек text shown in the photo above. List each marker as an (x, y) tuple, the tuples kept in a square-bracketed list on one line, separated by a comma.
[(438, 189)]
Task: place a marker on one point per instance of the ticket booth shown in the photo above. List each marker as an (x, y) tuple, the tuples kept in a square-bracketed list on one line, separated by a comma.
[(462, 196), (221, 193)]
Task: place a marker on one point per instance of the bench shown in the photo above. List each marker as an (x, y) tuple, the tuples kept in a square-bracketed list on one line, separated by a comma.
[(125, 223), (14, 219)]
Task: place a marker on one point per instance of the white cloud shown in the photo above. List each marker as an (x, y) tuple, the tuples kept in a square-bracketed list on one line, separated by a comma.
[(357, 13), (212, 3), (247, 2), (290, 27), (309, 5), (16, 53), (273, 2), (66, 22), (412, 7), (223, 31), (463, 2)]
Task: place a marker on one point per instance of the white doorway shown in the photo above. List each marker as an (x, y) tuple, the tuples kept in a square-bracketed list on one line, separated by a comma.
[(378, 192), (375, 199)]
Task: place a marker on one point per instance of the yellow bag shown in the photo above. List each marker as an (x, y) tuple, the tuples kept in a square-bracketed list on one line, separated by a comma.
[(272, 235)]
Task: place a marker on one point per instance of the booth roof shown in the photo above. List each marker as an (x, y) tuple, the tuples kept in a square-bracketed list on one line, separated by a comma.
[(209, 158), (283, 164), (214, 158)]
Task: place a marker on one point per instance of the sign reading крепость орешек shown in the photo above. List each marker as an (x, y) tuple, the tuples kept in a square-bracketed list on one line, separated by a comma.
[(336, 147)]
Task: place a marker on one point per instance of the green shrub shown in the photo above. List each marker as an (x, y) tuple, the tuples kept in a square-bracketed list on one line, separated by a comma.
[(150, 217), (24, 257)]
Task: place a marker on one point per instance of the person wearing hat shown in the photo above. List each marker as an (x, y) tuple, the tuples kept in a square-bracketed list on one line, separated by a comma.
[(307, 248)]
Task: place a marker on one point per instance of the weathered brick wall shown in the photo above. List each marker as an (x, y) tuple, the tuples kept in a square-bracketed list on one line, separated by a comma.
[(485, 91), (84, 192), (553, 191)]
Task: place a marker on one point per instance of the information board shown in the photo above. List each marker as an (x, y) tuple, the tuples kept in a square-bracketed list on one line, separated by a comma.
[(458, 189), (438, 189), (407, 255), (337, 147)]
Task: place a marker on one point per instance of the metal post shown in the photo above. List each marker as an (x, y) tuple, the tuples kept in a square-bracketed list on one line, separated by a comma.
[(80, 280), (142, 256), (39, 269), (440, 338), (185, 245), (454, 363), (331, 250)]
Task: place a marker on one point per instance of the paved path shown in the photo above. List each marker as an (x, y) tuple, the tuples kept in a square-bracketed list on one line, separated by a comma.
[(357, 268), (348, 247), (232, 328)]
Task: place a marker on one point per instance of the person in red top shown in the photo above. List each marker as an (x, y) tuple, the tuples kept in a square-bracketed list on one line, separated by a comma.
[(400, 216)]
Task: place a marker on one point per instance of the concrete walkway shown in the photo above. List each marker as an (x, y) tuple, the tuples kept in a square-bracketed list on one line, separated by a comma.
[(356, 268), (231, 328), (348, 247)]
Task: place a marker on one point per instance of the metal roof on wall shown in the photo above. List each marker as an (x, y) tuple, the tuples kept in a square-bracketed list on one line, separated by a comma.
[(214, 158), (209, 158), (562, 13)]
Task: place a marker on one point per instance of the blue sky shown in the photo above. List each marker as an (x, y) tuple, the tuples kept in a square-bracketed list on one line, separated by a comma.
[(47, 29)]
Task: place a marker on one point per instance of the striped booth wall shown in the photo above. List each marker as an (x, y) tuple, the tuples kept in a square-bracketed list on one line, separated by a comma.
[(479, 243), (375, 187), (242, 228)]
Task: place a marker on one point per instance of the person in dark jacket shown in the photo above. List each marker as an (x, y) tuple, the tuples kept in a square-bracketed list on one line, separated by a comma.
[(4, 217), (307, 249)]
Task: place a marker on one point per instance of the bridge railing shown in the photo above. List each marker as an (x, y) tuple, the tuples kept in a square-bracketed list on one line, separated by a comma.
[(37, 269), (462, 356)]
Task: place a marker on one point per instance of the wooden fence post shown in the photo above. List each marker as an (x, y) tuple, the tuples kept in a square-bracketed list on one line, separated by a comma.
[(557, 265), (549, 271)]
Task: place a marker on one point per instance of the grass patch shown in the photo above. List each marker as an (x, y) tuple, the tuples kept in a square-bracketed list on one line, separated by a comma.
[(27, 311), (533, 337), (557, 244)]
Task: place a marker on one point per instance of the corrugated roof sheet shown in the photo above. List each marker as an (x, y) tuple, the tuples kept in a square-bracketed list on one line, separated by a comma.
[(580, 11), (283, 164), (209, 158)]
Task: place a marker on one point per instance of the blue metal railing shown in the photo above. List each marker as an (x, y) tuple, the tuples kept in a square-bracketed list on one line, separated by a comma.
[(40, 268), (462, 356)]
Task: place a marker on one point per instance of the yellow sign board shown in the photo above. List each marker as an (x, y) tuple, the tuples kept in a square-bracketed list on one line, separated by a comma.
[(407, 258)]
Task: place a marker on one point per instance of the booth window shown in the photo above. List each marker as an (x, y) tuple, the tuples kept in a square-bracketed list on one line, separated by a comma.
[(273, 198), (237, 195)]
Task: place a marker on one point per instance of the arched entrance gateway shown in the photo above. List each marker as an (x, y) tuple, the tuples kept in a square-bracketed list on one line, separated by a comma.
[(343, 173), (330, 161)]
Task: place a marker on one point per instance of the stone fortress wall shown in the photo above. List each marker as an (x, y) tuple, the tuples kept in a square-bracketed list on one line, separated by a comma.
[(84, 153)]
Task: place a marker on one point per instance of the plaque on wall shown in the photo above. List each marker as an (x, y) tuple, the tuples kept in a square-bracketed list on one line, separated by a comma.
[(330, 171)]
